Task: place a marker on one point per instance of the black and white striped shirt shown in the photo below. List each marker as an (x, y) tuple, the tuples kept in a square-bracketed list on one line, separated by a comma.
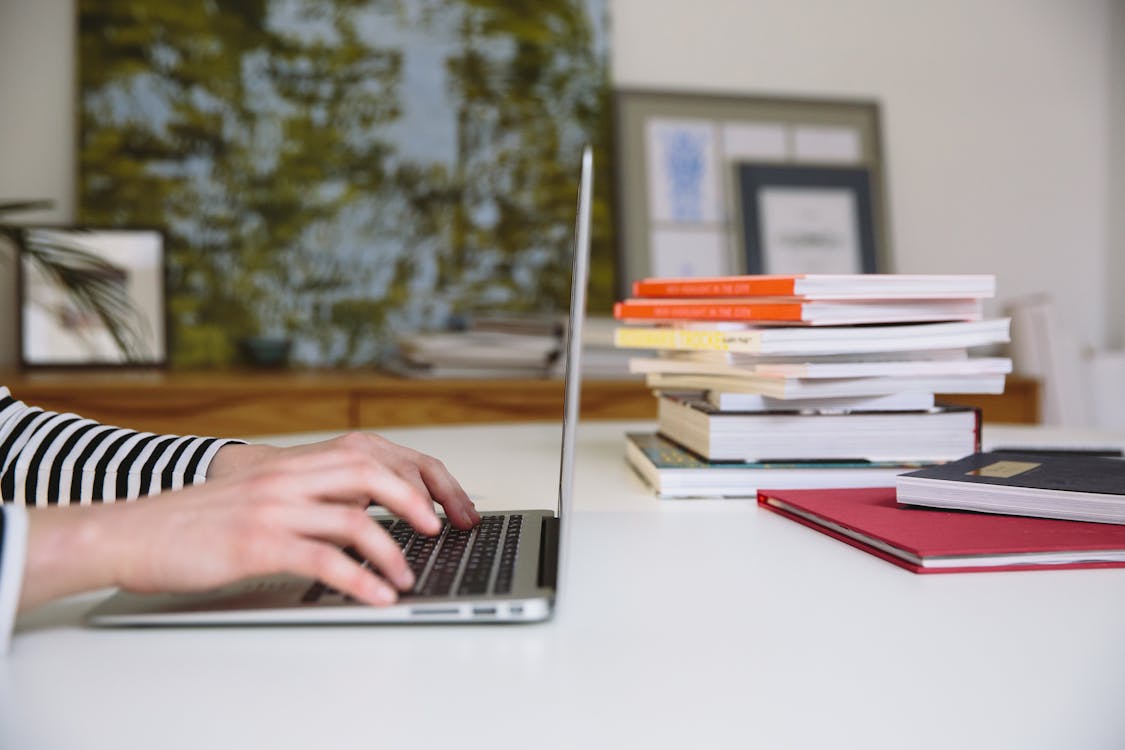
[(48, 458)]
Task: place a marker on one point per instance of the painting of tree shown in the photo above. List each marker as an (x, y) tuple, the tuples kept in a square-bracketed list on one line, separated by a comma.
[(341, 171)]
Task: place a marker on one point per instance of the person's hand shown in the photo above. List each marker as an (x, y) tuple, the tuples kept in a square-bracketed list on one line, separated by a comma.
[(289, 514), (427, 474)]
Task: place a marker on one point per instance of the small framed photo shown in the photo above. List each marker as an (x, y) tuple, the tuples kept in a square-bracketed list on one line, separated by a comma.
[(90, 297), (798, 219)]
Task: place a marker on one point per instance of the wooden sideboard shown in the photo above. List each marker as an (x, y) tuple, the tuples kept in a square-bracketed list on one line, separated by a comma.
[(264, 402)]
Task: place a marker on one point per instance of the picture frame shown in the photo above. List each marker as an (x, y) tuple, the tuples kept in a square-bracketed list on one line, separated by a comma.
[(802, 219), (677, 199), (90, 297)]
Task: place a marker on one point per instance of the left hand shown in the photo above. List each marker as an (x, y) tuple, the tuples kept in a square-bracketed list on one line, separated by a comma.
[(425, 473)]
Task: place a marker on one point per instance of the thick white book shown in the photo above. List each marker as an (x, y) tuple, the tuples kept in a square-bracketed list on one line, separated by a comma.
[(675, 472), (939, 434)]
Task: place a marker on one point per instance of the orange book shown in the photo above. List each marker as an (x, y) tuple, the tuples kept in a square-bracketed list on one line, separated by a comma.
[(798, 311), (695, 309), (823, 286)]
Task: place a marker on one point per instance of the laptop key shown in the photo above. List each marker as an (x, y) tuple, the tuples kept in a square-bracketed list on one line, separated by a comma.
[(478, 567), (508, 555), (313, 593), (448, 561)]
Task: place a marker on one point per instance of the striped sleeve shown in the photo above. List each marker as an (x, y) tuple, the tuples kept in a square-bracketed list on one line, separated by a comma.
[(13, 538), (60, 459)]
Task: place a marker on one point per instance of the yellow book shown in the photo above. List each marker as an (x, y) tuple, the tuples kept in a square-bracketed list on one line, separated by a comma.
[(814, 341)]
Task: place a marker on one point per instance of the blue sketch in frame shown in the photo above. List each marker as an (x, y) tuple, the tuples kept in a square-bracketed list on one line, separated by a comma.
[(684, 160)]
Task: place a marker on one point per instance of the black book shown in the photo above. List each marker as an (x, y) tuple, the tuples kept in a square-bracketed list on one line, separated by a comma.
[(1070, 487)]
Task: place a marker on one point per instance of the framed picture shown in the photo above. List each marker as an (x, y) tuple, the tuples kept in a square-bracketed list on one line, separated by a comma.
[(806, 219), (90, 297), (677, 184)]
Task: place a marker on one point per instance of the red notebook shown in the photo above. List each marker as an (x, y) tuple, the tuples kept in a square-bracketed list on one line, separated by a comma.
[(939, 541)]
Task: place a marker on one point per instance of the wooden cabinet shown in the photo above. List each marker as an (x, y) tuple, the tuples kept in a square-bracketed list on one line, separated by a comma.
[(262, 403)]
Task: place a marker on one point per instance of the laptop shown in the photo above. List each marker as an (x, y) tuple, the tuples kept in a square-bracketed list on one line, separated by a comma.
[(506, 569)]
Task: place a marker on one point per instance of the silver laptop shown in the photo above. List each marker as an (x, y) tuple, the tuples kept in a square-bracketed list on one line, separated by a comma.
[(506, 569)]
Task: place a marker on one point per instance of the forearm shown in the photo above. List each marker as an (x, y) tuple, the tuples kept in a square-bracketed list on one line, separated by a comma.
[(69, 550), (13, 541), (57, 459)]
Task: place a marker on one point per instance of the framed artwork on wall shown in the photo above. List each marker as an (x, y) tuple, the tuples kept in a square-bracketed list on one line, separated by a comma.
[(340, 173), (90, 297), (799, 219), (678, 196)]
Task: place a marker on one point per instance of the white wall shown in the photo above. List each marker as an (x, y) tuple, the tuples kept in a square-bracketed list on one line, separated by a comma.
[(37, 116), (1115, 279), (996, 118)]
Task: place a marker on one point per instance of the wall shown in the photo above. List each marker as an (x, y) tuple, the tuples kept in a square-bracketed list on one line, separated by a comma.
[(1115, 278), (37, 158), (994, 115), (996, 118)]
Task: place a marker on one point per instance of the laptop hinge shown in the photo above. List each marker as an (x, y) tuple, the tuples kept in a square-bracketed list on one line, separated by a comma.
[(549, 552)]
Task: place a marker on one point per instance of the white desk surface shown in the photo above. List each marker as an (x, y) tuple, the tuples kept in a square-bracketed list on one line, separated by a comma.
[(705, 624)]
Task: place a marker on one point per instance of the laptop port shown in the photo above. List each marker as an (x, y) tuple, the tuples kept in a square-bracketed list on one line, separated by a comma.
[(484, 610)]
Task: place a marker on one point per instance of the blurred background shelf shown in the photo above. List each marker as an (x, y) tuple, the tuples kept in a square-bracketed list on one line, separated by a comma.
[(261, 403)]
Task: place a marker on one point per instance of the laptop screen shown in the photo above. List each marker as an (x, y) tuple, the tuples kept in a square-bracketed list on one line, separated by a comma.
[(580, 269)]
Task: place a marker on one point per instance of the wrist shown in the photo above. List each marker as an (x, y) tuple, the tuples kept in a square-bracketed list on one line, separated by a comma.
[(235, 458), (67, 553)]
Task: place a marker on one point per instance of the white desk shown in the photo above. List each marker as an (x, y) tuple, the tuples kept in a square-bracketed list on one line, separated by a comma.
[(708, 624)]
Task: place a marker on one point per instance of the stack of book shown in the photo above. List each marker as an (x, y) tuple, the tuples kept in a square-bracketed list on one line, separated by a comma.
[(829, 378)]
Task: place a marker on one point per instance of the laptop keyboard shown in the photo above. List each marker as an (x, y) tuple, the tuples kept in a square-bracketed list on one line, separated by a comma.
[(475, 562)]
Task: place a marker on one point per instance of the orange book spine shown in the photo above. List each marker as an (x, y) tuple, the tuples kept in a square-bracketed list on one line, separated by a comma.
[(648, 310), (720, 286)]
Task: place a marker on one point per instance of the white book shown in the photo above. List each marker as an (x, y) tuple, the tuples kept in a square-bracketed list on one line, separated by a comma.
[(742, 358), (787, 388), (940, 434), (740, 337), (754, 402), (825, 370), (674, 472)]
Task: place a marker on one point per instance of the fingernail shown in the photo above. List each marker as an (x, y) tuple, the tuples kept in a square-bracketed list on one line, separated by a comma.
[(406, 580), (384, 594)]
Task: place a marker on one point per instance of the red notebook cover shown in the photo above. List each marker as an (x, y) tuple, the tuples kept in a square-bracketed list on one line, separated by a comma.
[(962, 542)]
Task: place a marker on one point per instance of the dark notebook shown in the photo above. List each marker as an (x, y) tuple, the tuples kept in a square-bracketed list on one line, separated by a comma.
[(1071, 487)]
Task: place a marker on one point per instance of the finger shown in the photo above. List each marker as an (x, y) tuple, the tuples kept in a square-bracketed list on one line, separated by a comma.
[(330, 566), (448, 492), (430, 474), (351, 527), (361, 477)]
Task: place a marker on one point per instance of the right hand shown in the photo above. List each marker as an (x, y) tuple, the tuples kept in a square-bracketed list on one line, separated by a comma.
[(292, 514)]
